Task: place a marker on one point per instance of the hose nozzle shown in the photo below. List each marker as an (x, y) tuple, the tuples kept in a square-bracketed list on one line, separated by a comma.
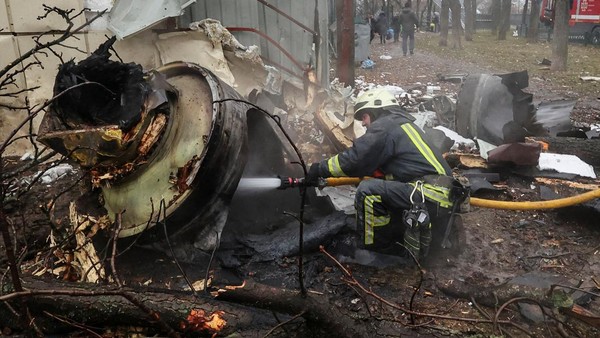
[(295, 182), (291, 182), (300, 182)]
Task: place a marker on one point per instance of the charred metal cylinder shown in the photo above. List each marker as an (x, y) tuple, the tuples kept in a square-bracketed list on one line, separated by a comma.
[(178, 165)]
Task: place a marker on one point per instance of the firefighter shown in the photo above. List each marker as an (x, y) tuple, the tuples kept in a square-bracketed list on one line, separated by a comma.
[(412, 181)]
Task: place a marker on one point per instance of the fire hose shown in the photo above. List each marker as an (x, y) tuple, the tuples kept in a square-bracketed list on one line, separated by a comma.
[(290, 182)]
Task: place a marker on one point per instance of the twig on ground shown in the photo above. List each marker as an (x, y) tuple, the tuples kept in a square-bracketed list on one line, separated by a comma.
[(284, 323)]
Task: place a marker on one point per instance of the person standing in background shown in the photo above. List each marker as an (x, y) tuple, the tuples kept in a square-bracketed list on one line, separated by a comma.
[(409, 21), (381, 26), (436, 22), (396, 27)]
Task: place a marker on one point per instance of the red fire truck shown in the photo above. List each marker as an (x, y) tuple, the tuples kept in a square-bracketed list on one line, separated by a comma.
[(584, 19)]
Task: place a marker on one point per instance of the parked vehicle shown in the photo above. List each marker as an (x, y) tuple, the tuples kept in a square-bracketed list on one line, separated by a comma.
[(584, 19)]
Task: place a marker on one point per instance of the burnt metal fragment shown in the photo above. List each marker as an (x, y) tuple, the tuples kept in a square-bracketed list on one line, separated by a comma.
[(98, 91)]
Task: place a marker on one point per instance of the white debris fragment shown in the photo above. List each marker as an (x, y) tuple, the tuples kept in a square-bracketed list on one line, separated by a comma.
[(459, 141), (338, 90), (395, 90), (93, 8), (274, 80), (278, 111), (342, 197), (594, 131), (27, 156), (590, 78), (424, 119), (567, 164), (55, 173), (217, 33), (385, 57), (432, 89), (485, 148)]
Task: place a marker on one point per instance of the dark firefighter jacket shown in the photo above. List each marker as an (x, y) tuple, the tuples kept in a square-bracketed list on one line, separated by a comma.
[(392, 144)]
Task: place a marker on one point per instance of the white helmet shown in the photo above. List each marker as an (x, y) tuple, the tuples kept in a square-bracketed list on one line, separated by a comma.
[(373, 99)]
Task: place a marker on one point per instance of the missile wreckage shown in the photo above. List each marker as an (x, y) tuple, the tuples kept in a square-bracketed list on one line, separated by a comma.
[(151, 141)]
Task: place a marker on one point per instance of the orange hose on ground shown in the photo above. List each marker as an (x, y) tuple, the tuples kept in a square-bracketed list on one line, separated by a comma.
[(527, 205), (494, 204)]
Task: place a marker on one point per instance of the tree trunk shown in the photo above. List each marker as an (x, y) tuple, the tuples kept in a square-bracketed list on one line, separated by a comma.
[(534, 21), (456, 24), (524, 17), (496, 15), (504, 20), (560, 47), (474, 14), (469, 23), (345, 41), (444, 14), (430, 11), (418, 12), (109, 307)]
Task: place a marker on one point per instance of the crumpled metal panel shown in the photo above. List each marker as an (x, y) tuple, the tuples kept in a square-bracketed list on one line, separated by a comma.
[(128, 17), (494, 108), (555, 116)]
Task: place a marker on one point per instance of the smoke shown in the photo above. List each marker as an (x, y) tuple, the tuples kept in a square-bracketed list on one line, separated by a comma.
[(256, 205)]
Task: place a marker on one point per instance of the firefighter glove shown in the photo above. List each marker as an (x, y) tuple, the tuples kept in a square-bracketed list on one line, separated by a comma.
[(312, 177)]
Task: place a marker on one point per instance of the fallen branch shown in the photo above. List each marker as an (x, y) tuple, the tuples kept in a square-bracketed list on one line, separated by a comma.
[(109, 307)]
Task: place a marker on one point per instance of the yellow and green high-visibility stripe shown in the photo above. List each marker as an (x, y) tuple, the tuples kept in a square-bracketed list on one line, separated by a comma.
[(372, 221), (436, 193), (423, 148), (333, 164)]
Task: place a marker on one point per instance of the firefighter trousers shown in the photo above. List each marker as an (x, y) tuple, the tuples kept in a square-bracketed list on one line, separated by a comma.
[(379, 205)]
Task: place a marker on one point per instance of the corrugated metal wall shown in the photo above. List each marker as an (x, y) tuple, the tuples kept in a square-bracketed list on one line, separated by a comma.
[(297, 41)]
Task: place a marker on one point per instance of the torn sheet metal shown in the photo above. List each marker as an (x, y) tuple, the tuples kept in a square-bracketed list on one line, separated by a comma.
[(569, 164), (526, 154), (194, 47), (495, 108), (128, 17), (554, 117), (444, 107), (212, 46)]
